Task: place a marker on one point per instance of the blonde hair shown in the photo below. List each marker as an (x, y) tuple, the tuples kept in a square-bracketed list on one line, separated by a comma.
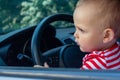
[(109, 10)]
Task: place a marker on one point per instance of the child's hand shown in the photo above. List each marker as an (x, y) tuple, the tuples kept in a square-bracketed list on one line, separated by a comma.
[(46, 65), (39, 66)]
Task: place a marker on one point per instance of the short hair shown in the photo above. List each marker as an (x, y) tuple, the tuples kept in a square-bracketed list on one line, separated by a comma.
[(109, 10)]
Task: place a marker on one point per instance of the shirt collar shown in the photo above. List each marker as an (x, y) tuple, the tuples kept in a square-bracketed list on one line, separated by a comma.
[(107, 50)]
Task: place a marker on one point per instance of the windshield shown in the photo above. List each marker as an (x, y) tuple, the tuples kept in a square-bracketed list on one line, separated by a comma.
[(16, 14)]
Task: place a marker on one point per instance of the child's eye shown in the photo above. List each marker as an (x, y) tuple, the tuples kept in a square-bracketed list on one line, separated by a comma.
[(81, 30)]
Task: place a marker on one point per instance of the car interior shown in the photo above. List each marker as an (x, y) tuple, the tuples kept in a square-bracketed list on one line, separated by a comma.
[(34, 32), (42, 43)]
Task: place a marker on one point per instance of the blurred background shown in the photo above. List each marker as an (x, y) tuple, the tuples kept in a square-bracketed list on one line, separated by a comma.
[(16, 14)]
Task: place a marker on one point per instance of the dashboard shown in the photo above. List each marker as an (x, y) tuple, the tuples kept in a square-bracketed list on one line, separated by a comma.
[(15, 47)]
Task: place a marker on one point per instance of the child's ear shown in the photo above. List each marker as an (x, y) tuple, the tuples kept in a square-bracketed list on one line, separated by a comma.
[(108, 35)]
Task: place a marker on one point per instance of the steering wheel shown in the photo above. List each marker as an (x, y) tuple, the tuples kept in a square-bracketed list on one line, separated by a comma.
[(36, 41)]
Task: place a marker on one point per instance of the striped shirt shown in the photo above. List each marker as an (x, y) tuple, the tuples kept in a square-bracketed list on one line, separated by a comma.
[(108, 59)]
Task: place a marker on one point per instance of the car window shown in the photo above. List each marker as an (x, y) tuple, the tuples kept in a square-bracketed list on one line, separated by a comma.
[(16, 14)]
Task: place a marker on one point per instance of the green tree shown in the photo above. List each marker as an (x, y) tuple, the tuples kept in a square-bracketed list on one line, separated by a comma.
[(9, 14), (34, 10), (17, 14)]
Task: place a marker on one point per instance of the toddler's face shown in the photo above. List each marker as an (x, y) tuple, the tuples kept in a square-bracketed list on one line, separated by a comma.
[(89, 31)]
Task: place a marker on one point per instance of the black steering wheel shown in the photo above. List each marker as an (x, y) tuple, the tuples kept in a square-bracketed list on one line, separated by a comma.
[(38, 34)]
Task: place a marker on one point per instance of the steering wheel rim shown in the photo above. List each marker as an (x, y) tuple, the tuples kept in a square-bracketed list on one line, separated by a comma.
[(38, 33)]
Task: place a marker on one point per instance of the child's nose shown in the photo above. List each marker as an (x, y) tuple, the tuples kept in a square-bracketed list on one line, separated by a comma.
[(75, 34)]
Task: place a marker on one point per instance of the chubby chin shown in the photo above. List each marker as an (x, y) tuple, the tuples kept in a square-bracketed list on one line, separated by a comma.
[(84, 50)]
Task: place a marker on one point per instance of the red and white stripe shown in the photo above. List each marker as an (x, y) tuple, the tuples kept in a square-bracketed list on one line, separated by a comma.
[(108, 59)]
